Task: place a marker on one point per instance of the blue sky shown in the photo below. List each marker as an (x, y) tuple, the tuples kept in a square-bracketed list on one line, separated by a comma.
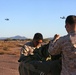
[(30, 16)]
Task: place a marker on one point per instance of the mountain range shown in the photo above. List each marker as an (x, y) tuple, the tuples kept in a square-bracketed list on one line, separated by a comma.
[(14, 37)]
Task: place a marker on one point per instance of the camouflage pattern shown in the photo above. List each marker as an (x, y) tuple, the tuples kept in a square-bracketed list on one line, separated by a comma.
[(67, 47), (25, 57), (27, 51), (30, 53)]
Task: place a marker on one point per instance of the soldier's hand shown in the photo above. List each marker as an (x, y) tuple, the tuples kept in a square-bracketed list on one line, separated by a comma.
[(56, 37)]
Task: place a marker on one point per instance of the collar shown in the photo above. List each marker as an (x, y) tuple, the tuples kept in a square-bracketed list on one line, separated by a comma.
[(71, 32)]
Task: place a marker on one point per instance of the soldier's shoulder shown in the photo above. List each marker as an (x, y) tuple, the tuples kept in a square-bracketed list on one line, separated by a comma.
[(64, 37), (28, 43)]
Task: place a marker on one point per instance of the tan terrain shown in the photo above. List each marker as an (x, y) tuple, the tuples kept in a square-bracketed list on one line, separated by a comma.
[(8, 65), (9, 55)]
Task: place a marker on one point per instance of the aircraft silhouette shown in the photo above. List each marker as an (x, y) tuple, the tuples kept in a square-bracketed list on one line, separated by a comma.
[(62, 17), (7, 19)]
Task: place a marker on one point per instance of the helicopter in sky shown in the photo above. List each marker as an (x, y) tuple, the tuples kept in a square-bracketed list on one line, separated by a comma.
[(63, 17), (7, 19)]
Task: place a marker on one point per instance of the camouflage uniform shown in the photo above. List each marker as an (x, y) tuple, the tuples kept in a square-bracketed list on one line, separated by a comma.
[(27, 51), (67, 46), (25, 57), (30, 54)]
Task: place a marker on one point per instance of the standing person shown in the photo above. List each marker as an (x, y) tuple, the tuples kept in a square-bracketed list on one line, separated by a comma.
[(67, 46), (27, 52)]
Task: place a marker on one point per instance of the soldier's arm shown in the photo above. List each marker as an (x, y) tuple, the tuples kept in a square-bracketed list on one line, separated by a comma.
[(55, 47), (23, 53)]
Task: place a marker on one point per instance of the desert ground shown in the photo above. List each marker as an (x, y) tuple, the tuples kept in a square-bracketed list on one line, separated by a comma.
[(9, 55), (8, 65)]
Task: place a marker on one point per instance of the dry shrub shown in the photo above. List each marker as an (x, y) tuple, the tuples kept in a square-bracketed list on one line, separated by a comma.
[(2, 52), (5, 48), (11, 47)]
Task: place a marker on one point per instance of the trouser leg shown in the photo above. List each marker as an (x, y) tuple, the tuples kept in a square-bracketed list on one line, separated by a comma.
[(48, 67), (22, 69), (36, 67), (55, 67), (43, 67)]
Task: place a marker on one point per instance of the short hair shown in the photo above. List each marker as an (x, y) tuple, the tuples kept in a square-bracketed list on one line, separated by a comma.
[(71, 19), (38, 36)]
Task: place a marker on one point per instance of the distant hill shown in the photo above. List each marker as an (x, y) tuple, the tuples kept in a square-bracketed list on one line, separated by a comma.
[(18, 37), (13, 37)]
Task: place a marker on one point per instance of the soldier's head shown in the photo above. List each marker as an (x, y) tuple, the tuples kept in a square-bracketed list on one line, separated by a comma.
[(70, 23), (37, 39)]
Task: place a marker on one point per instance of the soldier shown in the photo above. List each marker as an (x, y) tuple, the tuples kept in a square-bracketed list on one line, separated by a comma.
[(66, 45), (27, 53), (47, 64)]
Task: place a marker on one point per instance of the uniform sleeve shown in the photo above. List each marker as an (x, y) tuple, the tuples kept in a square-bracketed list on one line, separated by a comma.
[(24, 50), (23, 53), (55, 47)]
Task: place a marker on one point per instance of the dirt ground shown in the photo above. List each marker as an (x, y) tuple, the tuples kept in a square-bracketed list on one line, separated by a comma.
[(9, 55), (9, 65)]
